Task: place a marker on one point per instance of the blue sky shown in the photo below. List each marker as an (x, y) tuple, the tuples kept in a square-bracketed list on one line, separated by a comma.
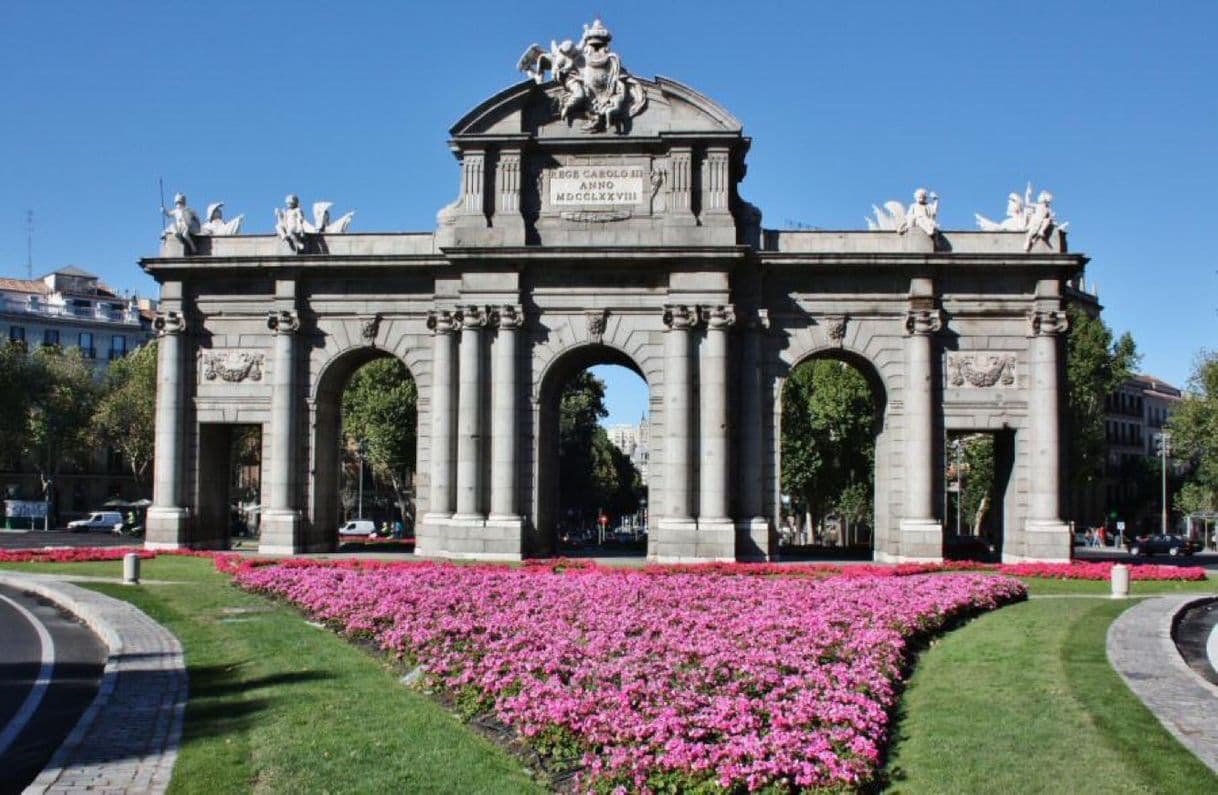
[(1110, 105)]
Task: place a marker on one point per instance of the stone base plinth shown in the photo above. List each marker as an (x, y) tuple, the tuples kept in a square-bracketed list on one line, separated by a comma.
[(1043, 542), (280, 533), (756, 540), (691, 541), (921, 542), (167, 528), (471, 537)]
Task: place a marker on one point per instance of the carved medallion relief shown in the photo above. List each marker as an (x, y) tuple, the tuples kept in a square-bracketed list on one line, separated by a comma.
[(981, 370), (232, 366)]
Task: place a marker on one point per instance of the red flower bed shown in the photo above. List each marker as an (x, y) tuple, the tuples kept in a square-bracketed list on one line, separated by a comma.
[(70, 554)]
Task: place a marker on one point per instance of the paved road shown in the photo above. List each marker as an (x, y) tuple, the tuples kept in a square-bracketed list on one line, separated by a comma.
[(35, 539), (50, 667)]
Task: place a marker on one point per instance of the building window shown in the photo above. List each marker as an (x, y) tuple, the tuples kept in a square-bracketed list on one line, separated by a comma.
[(86, 345), (118, 347), (50, 336), (16, 333)]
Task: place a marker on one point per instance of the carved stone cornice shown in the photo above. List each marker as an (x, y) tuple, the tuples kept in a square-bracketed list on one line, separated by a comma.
[(233, 367), (1042, 323), (596, 320), (442, 321), (835, 328), (370, 328), (924, 321), (719, 317), (472, 317), (507, 317), (168, 322), (283, 321), (680, 317)]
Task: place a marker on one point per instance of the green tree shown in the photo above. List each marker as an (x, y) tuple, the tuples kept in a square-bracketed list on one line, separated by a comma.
[(828, 439), (977, 461), (593, 473), (380, 411), (18, 376), (126, 412), (1194, 428), (64, 397), (1096, 365)]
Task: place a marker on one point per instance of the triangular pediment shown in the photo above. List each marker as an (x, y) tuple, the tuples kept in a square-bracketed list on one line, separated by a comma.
[(667, 108)]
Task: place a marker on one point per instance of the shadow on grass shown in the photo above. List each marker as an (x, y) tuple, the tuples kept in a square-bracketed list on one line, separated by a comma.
[(222, 701)]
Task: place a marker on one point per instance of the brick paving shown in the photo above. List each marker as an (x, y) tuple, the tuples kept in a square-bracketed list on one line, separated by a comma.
[(127, 741), (1141, 649)]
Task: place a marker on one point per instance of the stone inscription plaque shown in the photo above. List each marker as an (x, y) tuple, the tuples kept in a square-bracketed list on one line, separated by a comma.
[(581, 186)]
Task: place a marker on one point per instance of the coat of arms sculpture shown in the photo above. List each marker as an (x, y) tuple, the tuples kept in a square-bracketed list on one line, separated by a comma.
[(594, 85)]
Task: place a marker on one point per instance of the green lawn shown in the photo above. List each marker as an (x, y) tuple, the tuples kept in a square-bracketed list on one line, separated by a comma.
[(1023, 700), (277, 705), (1019, 700)]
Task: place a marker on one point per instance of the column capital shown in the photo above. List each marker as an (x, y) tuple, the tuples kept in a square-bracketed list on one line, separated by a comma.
[(754, 319), (718, 317), (680, 317), (441, 321), (923, 321), (472, 317), (283, 321), (169, 323), (1043, 323), (507, 316)]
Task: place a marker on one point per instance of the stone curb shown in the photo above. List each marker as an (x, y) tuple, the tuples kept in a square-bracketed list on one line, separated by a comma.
[(1141, 649), (128, 738)]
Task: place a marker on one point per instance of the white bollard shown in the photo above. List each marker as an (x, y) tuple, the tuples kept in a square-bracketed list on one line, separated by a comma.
[(131, 569), (1120, 581)]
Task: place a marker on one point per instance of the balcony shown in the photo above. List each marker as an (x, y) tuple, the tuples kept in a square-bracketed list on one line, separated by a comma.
[(95, 313)]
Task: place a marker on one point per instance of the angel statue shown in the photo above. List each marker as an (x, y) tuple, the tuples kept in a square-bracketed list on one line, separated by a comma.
[(322, 225), (216, 226), (1034, 218), (895, 217), (594, 84), (185, 225), (290, 223)]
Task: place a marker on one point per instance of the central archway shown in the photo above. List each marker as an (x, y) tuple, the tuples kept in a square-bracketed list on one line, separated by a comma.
[(556, 531), (346, 487), (832, 450)]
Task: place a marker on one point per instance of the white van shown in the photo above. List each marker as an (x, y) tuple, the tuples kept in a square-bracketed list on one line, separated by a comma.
[(106, 521), (358, 527)]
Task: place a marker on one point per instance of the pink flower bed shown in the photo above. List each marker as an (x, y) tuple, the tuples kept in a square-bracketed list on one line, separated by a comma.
[(70, 555), (656, 682)]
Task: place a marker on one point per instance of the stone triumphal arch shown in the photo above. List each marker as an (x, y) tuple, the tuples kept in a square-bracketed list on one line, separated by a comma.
[(598, 219)]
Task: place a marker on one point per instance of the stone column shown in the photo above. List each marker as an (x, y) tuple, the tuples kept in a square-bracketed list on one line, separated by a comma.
[(677, 388), (440, 502), (167, 518), (469, 415), (712, 389), (754, 527), (921, 534), (504, 434), (280, 519), (1047, 536)]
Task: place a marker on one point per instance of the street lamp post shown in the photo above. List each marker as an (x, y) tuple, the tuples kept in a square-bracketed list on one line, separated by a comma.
[(362, 452), (1163, 441)]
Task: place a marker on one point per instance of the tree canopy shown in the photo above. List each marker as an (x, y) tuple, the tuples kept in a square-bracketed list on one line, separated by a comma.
[(828, 440), (1096, 365), (126, 413), (380, 417), (63, 396), (1194, 427), (593, 473)]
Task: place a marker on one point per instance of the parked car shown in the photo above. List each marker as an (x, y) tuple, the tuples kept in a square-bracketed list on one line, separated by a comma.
[(968, 547), (106, 521), (358, 527), (1158, 544)]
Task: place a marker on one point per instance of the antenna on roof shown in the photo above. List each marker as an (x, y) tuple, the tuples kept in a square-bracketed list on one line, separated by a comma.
[(29, 244)]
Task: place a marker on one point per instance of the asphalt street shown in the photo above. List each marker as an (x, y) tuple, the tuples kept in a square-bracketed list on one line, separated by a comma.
[(35, 539), (50, 667)]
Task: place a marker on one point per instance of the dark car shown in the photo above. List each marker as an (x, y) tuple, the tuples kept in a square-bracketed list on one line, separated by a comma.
[(1158, 544), (968, 547)]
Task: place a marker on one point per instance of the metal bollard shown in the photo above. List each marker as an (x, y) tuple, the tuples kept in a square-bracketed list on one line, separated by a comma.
[(1120, 581), (131, 569)]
